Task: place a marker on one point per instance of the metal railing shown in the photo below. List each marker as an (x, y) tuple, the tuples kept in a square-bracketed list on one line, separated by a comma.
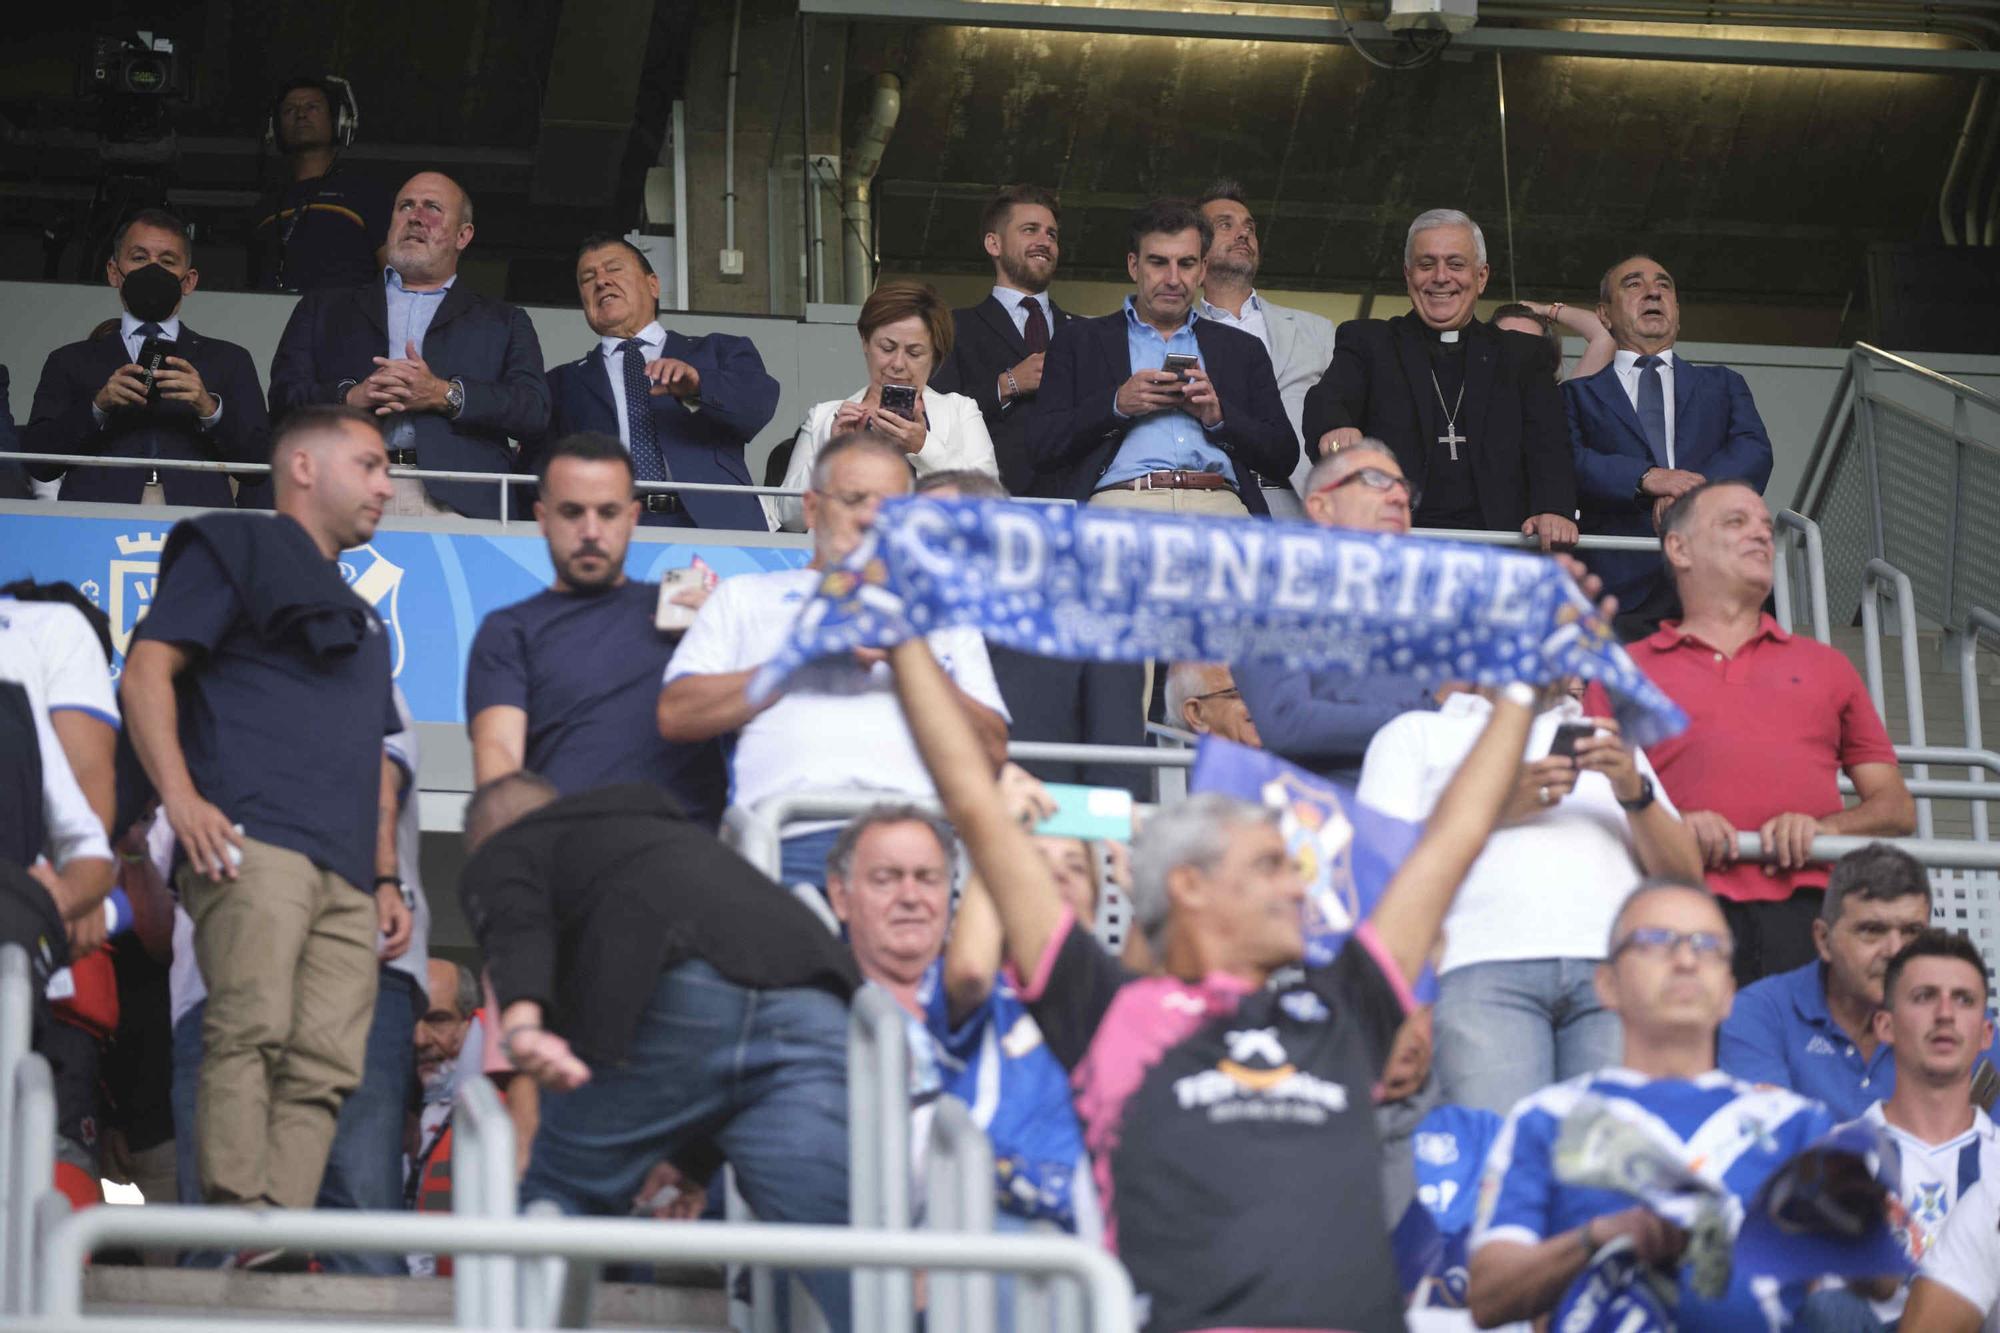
[(17, 1008), (1891, 477), (71, 1240), (484, 1287), (878, 1132), (960, 1186), (1937, 853), (1879, 577), (31, 1177), (1979, 622), (506, 481)]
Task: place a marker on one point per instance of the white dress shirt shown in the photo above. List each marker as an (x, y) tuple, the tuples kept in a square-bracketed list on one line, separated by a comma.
[(1251, 321), (1015, 303), (654, 339), (1626, 364)]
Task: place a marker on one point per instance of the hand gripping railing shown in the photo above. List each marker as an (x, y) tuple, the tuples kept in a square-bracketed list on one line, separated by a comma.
[(960, 1178), (17, 1008), (32, 1146), (1878, 577), (484, 1291), (71, 1241), (506, 481), (1978, 622), (878, 1136), (1940, 853)]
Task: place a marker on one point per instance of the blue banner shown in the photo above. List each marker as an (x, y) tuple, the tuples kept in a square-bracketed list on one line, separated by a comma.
[(1124, 585), (431, 588)]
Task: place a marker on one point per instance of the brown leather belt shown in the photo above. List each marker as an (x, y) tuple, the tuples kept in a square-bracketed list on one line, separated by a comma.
[(660, 502), (1177, 480)]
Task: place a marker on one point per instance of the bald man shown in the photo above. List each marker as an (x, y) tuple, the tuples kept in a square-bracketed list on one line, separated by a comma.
[(1323, 720), (454, 378), (266, 753)]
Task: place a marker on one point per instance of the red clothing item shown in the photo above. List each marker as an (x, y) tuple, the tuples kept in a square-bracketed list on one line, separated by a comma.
[(1769, 731)]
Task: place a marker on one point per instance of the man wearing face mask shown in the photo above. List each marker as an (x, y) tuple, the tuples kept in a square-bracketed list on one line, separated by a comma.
[(201, 402), (1471, 413), (449, 374)]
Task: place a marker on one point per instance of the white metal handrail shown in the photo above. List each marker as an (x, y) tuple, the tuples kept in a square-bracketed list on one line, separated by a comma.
[(878, 1163), (1979, 622), (17, 1001), (1879, 577), (1935, 853), (959, 1171), (485, 1288), (32, 1146)]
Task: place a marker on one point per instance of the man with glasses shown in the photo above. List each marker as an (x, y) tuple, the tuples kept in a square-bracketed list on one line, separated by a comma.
[(1668, 979), (1813, 1029), (1323, 720), (1202, 696), (835, 723)]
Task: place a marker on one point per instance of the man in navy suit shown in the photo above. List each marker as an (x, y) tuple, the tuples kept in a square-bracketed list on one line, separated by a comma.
[(999, 346), (1650, 427), (451, 374), (683, 407), (1118, 429), (204, 402)]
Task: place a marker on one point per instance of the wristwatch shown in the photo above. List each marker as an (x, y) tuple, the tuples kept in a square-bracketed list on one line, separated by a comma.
[(454, 399), (1639, 487), (409, 898), (1644, 799)]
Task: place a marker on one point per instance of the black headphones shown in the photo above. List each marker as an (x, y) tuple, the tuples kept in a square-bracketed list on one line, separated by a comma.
[(339, 100)]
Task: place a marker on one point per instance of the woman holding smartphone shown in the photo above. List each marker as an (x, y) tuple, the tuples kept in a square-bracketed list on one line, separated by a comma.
[(905, 331)]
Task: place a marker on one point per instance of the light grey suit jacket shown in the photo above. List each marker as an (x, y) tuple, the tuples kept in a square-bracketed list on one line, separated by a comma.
[(1301, 350)]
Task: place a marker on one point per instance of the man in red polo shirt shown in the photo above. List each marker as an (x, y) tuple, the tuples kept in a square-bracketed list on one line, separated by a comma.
[(1773, 719)]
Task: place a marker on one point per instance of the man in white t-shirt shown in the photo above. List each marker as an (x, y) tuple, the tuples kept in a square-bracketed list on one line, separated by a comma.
[(1958, 1288), (836, 723), (1517, 1009), (1934, 1018)]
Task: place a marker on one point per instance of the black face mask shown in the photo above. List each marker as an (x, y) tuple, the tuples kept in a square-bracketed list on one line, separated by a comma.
[(151, 293)]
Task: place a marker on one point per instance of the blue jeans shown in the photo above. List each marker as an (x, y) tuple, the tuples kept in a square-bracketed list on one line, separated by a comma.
[(1840, 1311), (365, 1167), (760, 1074), (187, 1084), (802, 859), (1504, 1030)]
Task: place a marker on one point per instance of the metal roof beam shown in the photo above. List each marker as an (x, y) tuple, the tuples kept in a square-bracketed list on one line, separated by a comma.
[(1511, 41)]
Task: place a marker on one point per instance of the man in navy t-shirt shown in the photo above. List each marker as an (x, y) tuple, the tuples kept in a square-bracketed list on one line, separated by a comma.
[(1229, 1122), (566, 683), (256, 696)]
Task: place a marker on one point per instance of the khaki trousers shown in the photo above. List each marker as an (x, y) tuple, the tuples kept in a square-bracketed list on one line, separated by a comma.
[(1220, 503), (288, 953)]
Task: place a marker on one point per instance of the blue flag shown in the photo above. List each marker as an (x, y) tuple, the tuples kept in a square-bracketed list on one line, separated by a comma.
[(1347, 851), (1095, 584)]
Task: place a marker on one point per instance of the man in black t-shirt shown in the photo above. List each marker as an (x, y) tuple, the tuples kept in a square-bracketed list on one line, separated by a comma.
[(325, 227), (1228, 1119), (567, 682), (671, 1002), (256, 696)]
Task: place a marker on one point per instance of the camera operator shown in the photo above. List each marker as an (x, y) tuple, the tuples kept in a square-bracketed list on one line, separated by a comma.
[(325, 226), (149, 387)]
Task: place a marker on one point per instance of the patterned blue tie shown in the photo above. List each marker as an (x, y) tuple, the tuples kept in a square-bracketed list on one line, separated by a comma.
[(148, 330), (1653, 408), (647, 464)]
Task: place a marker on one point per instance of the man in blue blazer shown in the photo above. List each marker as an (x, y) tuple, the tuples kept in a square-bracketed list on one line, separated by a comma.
[(1115, 427), (703, 398), (1647, 429), (204, 402), (451, 374)]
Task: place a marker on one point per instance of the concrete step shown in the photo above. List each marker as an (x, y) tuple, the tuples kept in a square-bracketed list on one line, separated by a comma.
[(694, 1301)]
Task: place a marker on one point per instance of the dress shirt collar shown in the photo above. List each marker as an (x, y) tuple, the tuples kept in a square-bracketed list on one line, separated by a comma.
[(1251, 304), (653, 335), (128, 327), (395, 282), (1627, 361), (1012, 299), (1132, 320)]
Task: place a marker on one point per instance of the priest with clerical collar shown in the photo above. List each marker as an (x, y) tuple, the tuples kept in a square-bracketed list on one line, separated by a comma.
[(1471, 412)]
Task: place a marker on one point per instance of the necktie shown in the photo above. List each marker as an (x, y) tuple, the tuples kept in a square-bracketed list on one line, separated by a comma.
[(1653, 408), (1036, 332), (647, 465)]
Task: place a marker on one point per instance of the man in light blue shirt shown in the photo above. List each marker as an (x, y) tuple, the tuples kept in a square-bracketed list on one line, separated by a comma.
[(1115, 426)]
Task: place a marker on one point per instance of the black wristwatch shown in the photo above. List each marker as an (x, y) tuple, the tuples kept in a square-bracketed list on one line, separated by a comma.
[(1639, 487), (1644, 799), (409, 898)]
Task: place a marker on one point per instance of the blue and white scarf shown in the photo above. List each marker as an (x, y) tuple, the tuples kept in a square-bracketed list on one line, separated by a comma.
[(1119, 585)]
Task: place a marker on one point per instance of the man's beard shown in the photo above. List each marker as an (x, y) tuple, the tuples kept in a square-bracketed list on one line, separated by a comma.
[(1017, 271), (1233, 264)]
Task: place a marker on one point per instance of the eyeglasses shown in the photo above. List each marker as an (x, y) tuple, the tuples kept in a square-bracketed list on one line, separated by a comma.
[(1231, 693), (1375, 479), (1661, 942)]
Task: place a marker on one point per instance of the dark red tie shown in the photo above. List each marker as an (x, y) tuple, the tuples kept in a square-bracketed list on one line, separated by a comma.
[(1036, 332)]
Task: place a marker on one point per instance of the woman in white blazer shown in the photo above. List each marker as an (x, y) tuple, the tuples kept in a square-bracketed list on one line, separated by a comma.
[(905, 331)]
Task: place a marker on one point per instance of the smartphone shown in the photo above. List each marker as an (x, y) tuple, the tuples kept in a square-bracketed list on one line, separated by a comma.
[(1567, 736), (1178, 365), (1091, 813), (900, 399), (153, 354)]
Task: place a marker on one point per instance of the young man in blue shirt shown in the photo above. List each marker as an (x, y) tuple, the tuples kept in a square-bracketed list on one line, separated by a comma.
[(256, 695), (566, 683), (1812, 1029), (1667, 976)]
